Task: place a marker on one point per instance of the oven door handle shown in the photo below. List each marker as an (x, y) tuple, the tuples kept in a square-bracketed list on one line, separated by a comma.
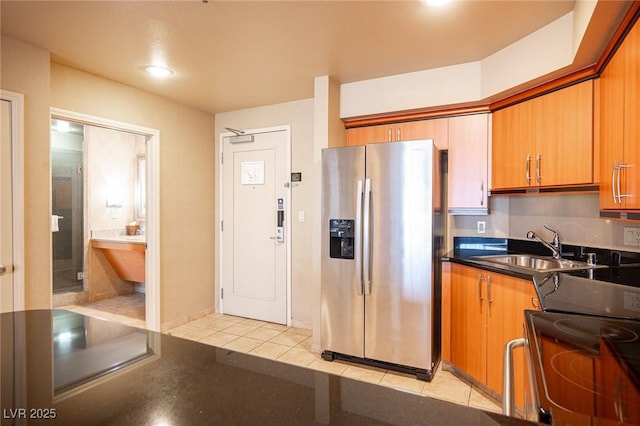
[(508, 397)]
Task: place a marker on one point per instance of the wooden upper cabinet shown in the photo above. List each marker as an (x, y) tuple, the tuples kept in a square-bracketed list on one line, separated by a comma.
[(611, 128), (564, 153), (631, 174), (436, 129), (468, 164), (368, 134), (513, 138), (620, 127), (546, 141)]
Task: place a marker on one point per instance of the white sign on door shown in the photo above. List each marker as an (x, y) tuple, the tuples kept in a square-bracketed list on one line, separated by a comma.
[(253, 173)]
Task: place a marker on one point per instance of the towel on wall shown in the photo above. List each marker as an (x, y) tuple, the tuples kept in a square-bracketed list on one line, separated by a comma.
[(54, 222)]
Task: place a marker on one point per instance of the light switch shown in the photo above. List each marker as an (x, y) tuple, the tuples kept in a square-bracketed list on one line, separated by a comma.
[(301, 216)]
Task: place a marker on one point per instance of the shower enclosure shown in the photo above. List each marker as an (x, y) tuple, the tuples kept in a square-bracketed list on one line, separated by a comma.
[(67, 212)]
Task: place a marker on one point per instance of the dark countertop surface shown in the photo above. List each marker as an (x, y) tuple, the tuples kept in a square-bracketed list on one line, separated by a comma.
[(622, 268), (60, 367)]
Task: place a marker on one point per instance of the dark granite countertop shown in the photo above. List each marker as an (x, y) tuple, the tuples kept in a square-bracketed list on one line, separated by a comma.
[(80, 370), (621, 267)]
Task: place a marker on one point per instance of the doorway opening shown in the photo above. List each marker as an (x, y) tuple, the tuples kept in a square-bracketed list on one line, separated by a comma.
[(104, 223), (96, 195)]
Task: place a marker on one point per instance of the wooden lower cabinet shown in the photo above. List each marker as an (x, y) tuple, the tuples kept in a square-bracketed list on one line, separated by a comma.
[(487, 311), (468, 325)]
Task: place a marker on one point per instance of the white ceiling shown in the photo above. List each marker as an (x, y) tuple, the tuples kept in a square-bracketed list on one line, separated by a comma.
[(233, 54)]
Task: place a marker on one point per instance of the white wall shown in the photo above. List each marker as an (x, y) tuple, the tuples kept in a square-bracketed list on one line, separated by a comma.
[(26, 70), (111, 160), (540, 53), (420, 89), (299, 115), (186, 183)]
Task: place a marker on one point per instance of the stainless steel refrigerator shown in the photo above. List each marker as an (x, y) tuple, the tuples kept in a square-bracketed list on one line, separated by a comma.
[(383, 227)]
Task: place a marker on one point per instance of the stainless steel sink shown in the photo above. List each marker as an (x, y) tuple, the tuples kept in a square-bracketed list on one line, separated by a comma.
[(538, 263)]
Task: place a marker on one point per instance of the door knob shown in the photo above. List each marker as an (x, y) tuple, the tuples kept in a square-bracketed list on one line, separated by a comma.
[(3, 269)]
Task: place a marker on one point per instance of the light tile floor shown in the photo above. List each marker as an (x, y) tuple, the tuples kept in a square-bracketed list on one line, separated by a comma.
[(128, 309), (290, 345)]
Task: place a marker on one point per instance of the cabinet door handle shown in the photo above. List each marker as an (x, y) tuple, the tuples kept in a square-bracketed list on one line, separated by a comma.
[(480, 288), (389, 135), (613, 181), (618, 184), (538, 164), (482, 192), (527, 166), (489, 289), (398, 134), (535, 303), (620, 194)]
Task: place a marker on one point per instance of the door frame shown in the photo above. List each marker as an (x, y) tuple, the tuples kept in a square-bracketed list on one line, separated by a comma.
[(284, 128), (152, 229), (17, 166)]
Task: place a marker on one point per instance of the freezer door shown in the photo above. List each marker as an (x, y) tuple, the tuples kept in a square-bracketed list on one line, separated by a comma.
[(399, 293), (342, 301)]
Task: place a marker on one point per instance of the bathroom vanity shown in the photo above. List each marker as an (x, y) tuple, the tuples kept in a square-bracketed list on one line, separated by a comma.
[(126, 254)]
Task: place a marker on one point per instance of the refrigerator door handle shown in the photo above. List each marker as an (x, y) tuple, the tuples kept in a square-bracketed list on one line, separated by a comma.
[(366, 237), (358, 241)]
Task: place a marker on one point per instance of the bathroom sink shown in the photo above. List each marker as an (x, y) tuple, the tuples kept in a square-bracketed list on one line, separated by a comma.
[(538, 263)]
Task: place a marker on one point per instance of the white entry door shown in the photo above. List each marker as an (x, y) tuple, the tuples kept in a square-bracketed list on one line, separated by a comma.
[(255, 209), (6, 209)]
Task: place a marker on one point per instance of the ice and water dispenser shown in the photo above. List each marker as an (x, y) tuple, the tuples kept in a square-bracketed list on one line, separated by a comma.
[(341, 238)]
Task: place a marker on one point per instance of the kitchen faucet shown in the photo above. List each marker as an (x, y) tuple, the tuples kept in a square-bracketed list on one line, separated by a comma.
[(554, 246)]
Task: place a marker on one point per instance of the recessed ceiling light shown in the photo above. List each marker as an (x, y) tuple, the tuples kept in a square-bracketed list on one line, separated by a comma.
[(158, 71)]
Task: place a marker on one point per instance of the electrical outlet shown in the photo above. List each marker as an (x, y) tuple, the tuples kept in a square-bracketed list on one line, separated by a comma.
[(632, 237), (481, 226)]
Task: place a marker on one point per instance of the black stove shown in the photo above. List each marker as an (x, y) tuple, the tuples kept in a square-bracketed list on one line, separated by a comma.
[(586, 369), (603, 292), (584, 348)]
